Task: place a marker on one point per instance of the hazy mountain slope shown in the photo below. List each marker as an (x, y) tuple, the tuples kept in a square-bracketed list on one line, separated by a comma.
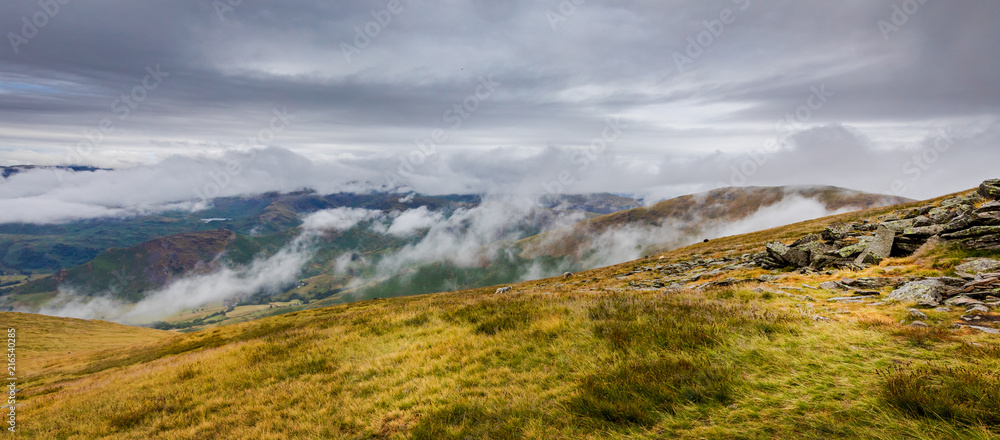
[(685, 218), (127, 272), (742, 352), (593, 203), (46, 248)]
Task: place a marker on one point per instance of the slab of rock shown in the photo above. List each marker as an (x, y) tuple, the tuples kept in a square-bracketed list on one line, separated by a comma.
[(879, 248), (923, 231), (918, 324), (924, 292), (959, 223), (978, 308), (777, 254), (917, 314), (940, 216), (951, 281), (978, 266), (922, 221), (960, 301), (856, 248), (991, 206), (898, 225)]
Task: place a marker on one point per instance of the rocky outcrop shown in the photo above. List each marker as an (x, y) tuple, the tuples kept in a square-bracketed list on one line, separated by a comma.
[(990, 189), (972, 221), (927, 292), (978, 266)]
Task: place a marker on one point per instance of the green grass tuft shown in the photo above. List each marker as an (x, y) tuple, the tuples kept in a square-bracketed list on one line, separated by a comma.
[(960, 395), (635, 392)]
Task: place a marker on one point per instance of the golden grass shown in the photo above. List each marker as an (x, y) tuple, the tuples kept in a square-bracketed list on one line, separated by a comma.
[(44, 341), (548, 361)]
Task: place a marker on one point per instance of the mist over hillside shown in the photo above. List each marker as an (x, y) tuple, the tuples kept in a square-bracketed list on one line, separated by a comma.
[(347, 247)]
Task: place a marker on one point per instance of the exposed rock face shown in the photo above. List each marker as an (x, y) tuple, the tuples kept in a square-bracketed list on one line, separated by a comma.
[(855, 245), (925, 292), (982, 265)]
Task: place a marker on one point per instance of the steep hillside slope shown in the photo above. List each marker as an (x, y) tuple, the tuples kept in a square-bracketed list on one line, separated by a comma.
[(700, 342), (126, 273)]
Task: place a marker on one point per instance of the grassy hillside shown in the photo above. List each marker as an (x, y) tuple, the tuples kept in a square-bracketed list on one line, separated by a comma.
[(52, 341), (597, 355)]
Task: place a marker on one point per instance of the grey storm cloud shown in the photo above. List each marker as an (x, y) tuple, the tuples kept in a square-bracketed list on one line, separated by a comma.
[(707, 93)]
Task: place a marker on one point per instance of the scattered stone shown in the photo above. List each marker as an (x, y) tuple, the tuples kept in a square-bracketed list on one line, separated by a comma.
[(848, 281), (918, 324), (917, 314), (989, 330), (943, 309), (851, 299), (831, 285)]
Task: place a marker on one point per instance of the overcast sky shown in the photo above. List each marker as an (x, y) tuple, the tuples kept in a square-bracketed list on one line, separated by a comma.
[(658, 98)]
